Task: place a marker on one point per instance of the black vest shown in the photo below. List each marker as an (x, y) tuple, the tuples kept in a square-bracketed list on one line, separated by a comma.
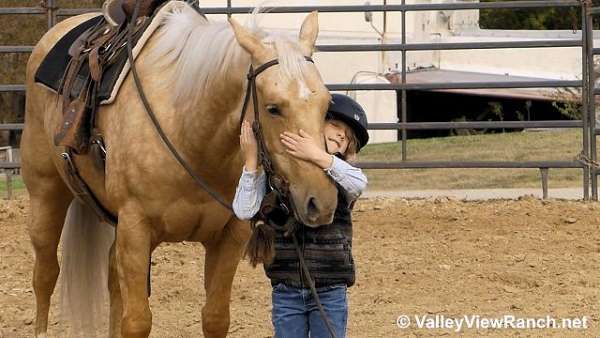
[(327, 251)]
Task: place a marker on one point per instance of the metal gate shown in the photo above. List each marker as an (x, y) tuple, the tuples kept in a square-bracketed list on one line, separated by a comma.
[(587, 160)]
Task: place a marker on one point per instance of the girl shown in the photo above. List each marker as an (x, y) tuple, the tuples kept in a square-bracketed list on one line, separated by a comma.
[(327, 249)]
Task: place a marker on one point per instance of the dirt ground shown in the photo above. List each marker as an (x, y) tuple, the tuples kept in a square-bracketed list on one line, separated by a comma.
[(526, 258)]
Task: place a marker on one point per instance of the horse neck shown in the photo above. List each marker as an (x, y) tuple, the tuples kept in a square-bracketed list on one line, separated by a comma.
[(213, 126)]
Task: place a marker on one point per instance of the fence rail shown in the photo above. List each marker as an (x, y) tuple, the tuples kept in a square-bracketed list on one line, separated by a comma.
[(477, 125), (12, 88), (586, 124), (398, 8), (404, 47), (472, 165), (16, 49), (448, 46)]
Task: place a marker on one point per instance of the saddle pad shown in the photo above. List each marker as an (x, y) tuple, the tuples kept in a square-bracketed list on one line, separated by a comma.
[(51, 70)]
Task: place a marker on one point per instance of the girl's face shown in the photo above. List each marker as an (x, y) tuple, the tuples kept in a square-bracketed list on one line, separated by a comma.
[(337, 134)]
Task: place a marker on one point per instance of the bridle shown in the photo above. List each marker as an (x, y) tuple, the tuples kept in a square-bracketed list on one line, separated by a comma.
[(279, 184), (276, 182)]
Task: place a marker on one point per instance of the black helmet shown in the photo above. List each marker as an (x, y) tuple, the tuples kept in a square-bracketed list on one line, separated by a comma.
[(344, 108)]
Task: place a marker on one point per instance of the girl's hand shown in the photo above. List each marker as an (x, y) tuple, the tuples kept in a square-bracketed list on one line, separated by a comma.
[(304, 147), (249, 147)]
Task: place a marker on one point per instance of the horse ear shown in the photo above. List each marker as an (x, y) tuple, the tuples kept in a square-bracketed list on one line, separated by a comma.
[(246, 39), (309, 33)]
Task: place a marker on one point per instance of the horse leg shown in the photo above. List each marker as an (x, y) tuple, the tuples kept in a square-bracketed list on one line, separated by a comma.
[(116, 305), (133, 248), (222, 258), (49, 205), (49, 200)]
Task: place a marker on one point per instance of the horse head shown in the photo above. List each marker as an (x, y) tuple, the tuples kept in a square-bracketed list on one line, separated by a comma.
[(292, 96)]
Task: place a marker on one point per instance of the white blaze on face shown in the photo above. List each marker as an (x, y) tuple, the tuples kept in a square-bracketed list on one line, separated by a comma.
[(303, 91)]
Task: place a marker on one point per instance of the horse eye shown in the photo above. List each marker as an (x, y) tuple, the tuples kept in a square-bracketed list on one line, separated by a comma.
[(273, 109)]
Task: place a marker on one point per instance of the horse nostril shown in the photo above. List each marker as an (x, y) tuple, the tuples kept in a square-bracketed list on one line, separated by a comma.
[(311, 209)]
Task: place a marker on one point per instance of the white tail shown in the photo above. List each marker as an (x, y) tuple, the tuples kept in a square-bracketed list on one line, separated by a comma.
[(86, 242)]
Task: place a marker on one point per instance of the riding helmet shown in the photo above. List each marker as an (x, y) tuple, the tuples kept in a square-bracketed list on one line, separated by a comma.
[(344, 108)]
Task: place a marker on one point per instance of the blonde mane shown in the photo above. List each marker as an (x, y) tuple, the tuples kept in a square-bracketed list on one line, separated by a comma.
[(203, 51)]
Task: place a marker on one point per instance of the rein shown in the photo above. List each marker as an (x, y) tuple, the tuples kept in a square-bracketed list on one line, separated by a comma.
[(277, 183), (152, 116)]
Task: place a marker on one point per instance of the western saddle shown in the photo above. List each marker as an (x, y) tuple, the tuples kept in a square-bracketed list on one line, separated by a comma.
[(95, 50), (117, 12)]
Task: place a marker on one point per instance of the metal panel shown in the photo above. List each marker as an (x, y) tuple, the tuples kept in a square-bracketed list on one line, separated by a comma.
[(587, 124)]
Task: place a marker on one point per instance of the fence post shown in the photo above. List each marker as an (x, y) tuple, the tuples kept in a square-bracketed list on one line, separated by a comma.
[(9, 187), (50, 7), (544, 173), (586, 92), (404, 104), (591, 97)]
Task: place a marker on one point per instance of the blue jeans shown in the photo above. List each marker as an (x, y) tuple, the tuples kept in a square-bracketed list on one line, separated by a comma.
[(295, 313)]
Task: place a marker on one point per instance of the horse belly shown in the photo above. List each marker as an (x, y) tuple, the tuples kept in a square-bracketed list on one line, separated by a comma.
[(194, 222)]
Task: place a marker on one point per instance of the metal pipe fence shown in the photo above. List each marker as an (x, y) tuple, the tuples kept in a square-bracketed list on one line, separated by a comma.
[(586, 124), (592, 92)]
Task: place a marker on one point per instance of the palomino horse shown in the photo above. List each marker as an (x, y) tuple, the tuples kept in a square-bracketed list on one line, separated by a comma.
[(194, 72)]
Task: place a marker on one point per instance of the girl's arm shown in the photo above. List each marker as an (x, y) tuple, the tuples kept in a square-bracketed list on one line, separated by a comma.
[(348, 177), (251, 187), (249, 194)]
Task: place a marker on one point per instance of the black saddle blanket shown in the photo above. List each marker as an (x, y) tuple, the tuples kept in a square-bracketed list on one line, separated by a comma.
[(51, 71)]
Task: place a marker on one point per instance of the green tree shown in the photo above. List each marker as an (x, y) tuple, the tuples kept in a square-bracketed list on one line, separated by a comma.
[(533, 19)]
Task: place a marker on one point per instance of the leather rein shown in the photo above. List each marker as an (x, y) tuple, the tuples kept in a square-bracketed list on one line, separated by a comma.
[(276, 182)]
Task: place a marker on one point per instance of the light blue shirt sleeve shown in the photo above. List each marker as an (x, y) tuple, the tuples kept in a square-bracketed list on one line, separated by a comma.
[(249, 193), (350, 178), (251, 187)]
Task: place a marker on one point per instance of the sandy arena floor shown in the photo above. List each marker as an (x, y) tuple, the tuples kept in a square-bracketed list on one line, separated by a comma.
[(527, 258)]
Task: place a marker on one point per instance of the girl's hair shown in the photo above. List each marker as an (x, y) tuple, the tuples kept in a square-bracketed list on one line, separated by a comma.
[(351, 154)]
